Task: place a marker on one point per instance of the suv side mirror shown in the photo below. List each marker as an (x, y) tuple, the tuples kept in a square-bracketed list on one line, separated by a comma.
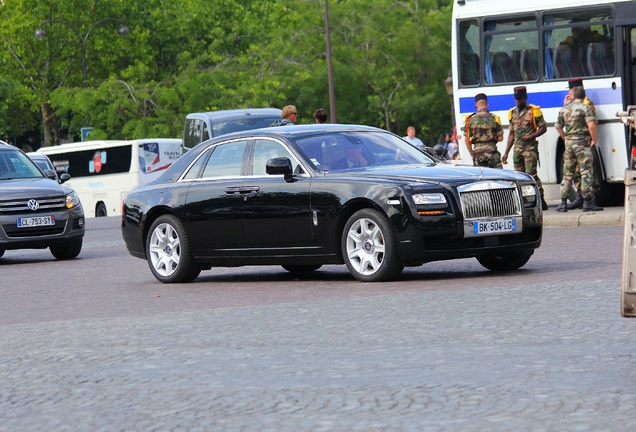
[(64, 177)]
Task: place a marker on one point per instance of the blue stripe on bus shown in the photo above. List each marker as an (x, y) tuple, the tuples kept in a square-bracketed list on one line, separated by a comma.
[(545, 100)]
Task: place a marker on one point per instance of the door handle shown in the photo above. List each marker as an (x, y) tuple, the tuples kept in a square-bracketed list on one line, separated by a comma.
[(249, 189)]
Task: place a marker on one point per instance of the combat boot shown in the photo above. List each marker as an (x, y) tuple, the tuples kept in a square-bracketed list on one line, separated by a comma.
[(589, 205), (577, 203), (563, 207)]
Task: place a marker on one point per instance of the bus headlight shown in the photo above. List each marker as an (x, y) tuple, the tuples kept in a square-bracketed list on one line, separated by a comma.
[(72, 200)]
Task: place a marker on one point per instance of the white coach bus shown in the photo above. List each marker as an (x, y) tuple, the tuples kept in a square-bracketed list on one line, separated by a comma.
[(541, 44), (103, 172)]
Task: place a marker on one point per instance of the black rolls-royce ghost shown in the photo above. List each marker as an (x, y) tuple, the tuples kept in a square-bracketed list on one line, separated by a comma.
[(309, 195)]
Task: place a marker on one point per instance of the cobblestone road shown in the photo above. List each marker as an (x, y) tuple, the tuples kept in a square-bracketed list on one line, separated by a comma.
[(542, 357)]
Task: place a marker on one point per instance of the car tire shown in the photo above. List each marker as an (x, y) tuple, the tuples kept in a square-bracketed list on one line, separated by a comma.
[(67, 251), (168, 252), (369, 247), (1, 252), (510, 261), (101, 211), (301, 268)]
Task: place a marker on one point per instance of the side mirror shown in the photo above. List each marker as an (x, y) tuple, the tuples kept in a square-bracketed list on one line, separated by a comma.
[(280, 165), (49, 173), (64, 177)]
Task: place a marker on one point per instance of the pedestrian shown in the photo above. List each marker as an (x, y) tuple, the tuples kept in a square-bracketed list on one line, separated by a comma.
[(412, 139), (576, 125), (483, 132), (288, 116), (452, 149), (576, 180), (526, 124), (321, 116)]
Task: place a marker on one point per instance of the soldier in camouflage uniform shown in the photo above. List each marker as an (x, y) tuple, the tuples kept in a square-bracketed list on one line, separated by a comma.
[(576, 180), (576, 124), (526, 124), (483, 131)]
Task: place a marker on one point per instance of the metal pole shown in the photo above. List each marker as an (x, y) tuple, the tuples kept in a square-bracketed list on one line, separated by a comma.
[(332, 97)]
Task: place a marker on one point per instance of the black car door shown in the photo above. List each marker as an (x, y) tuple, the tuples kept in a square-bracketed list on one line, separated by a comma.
[(214, 201), (276, 212)]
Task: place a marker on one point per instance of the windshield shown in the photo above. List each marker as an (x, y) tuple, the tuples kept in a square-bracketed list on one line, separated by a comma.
[(341, 151), (16, 165), (242, 123)]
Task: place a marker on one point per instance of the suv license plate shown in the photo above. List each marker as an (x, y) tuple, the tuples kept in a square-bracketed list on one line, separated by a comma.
[(36, 221), (496, 226)]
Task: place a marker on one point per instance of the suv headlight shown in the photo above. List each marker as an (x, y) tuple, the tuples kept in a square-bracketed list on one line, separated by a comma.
[(72, 200)]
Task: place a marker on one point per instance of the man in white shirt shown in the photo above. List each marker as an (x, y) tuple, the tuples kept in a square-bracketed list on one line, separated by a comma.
[(411, 138)]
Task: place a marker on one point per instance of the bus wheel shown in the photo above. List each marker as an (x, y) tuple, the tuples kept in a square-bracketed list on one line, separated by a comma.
[(100, 210)]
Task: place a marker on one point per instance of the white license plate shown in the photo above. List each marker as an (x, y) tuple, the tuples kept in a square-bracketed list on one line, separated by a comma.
[(36, 221), (495, 226)]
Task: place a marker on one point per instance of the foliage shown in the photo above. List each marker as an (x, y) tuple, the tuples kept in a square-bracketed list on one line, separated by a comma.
[(390, 60)]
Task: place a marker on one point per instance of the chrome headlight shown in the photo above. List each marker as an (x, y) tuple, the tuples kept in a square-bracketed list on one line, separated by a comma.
[(529, 194), (528, 190), (72, 200), (429, 198)]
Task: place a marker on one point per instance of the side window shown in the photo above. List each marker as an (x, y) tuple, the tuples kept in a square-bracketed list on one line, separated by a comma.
[(205, 133), (469, 63), (192, 132), (512, 50), (195, 169), (226, 160), (265, 150), (579, 44)]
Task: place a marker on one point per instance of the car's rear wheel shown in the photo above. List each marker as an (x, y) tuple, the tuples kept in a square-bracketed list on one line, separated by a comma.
[(168, 250), (1, 252), (68, 250), (509, 261), (301, 268), (369, 247)]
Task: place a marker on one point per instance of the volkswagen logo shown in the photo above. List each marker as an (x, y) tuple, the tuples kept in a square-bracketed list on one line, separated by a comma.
[(33, 204)]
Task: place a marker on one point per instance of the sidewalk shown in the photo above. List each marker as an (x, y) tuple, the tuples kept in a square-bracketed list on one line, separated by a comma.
[(610, 216)]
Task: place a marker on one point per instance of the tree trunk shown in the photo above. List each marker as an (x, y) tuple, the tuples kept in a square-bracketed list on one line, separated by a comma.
[(51, 131)]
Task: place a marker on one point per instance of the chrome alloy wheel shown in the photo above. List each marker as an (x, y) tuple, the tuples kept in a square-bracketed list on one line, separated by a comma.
[(165, 249), (365, 246)]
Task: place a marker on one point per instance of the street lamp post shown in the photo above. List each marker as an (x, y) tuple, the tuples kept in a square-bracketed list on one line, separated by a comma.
[(448, 83), (332, 97), (41, 33)]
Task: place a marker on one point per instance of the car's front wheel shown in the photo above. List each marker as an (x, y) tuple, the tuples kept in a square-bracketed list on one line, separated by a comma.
[(509, 261), (67, 251), (369, 247), (168, 251)]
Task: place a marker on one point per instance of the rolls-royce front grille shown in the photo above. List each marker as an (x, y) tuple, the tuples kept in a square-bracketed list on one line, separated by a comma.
[(489, 201)]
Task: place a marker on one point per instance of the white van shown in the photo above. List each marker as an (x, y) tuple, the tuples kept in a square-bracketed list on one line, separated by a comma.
[(103, 172)]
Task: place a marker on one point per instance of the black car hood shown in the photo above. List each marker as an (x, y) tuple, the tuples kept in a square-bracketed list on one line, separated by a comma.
[(437, 173), (31, 188)]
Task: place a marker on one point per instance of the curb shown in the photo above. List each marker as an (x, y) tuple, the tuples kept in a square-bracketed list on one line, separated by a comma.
[(610, 216)]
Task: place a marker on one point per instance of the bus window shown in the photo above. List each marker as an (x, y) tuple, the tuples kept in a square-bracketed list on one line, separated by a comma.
[(511, 50), (579, 44), (469, 52)]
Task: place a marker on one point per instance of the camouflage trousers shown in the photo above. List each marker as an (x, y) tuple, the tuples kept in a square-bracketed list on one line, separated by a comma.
[(486, 155), (577, 151), (596, 178), (525, 159)]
